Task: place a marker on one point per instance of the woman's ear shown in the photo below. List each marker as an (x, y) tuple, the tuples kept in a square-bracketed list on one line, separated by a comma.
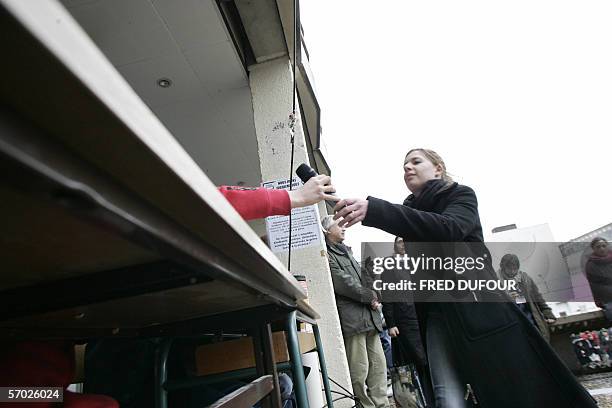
[(439, 170)]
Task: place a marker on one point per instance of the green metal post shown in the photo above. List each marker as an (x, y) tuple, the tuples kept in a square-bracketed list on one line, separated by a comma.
[(161, 372), (328, 395), (297, 367)]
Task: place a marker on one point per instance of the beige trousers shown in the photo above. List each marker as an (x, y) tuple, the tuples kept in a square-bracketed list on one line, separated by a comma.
[(367, 367)]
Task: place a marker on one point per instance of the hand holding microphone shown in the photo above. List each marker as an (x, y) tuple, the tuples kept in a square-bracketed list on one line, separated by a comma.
[(349, 211), (316, 188)]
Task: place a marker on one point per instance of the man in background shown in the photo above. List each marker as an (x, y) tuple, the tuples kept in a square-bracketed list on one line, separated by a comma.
[(360, 319)]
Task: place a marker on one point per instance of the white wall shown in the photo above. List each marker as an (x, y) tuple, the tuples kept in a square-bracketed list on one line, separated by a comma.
[(271, 87)]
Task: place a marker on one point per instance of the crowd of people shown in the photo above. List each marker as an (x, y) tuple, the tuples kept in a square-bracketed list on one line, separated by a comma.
[(593, 348)]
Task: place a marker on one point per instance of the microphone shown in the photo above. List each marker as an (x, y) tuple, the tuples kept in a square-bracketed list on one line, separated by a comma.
[(305, 172)]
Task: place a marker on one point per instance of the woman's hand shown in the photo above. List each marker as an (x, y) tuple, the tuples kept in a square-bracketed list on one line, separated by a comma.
[(350, 211), (316, 189), (393, 332)]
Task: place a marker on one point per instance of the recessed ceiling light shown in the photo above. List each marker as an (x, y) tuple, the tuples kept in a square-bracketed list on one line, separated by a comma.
[(164, 82)]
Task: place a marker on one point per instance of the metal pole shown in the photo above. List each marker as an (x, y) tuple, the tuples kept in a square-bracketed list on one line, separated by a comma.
[(328, 395), (297, 367)]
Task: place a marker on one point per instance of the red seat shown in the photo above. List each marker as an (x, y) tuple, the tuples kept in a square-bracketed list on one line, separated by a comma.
[(45, 364)]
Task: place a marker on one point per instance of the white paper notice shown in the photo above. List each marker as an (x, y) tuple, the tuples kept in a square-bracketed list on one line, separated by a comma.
[(304, 223)]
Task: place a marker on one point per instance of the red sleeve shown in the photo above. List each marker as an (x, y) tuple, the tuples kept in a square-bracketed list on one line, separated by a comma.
[(253, 203)]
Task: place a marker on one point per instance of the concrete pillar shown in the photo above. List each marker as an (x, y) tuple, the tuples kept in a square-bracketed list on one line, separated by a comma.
[(272, 90)]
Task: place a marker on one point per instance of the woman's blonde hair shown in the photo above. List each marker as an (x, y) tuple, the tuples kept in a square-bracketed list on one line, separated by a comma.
[(436, 160)]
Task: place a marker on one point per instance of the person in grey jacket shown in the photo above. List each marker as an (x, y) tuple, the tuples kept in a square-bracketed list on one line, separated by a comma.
[(527, 296), (360, 320)]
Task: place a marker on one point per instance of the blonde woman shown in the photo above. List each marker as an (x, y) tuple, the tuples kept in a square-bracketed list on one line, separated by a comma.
[(483, 354)]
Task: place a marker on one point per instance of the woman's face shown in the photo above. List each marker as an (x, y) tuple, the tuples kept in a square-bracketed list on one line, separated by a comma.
[(418, 170)]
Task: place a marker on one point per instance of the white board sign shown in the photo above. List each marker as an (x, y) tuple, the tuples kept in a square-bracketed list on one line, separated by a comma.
[(304, 223)]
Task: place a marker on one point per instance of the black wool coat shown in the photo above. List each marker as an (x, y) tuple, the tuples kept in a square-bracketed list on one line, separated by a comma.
[(503, 357), (403, 316), (599, 275)]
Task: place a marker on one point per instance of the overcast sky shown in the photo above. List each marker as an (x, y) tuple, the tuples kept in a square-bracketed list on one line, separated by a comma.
[(515, 96)]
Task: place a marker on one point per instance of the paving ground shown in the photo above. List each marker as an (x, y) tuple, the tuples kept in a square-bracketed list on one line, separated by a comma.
[(600, 386)]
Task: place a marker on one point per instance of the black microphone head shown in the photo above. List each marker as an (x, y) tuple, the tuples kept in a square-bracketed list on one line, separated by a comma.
[(305, 172)]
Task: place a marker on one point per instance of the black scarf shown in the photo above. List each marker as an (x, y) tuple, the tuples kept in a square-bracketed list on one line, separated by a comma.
[(429, 194)]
